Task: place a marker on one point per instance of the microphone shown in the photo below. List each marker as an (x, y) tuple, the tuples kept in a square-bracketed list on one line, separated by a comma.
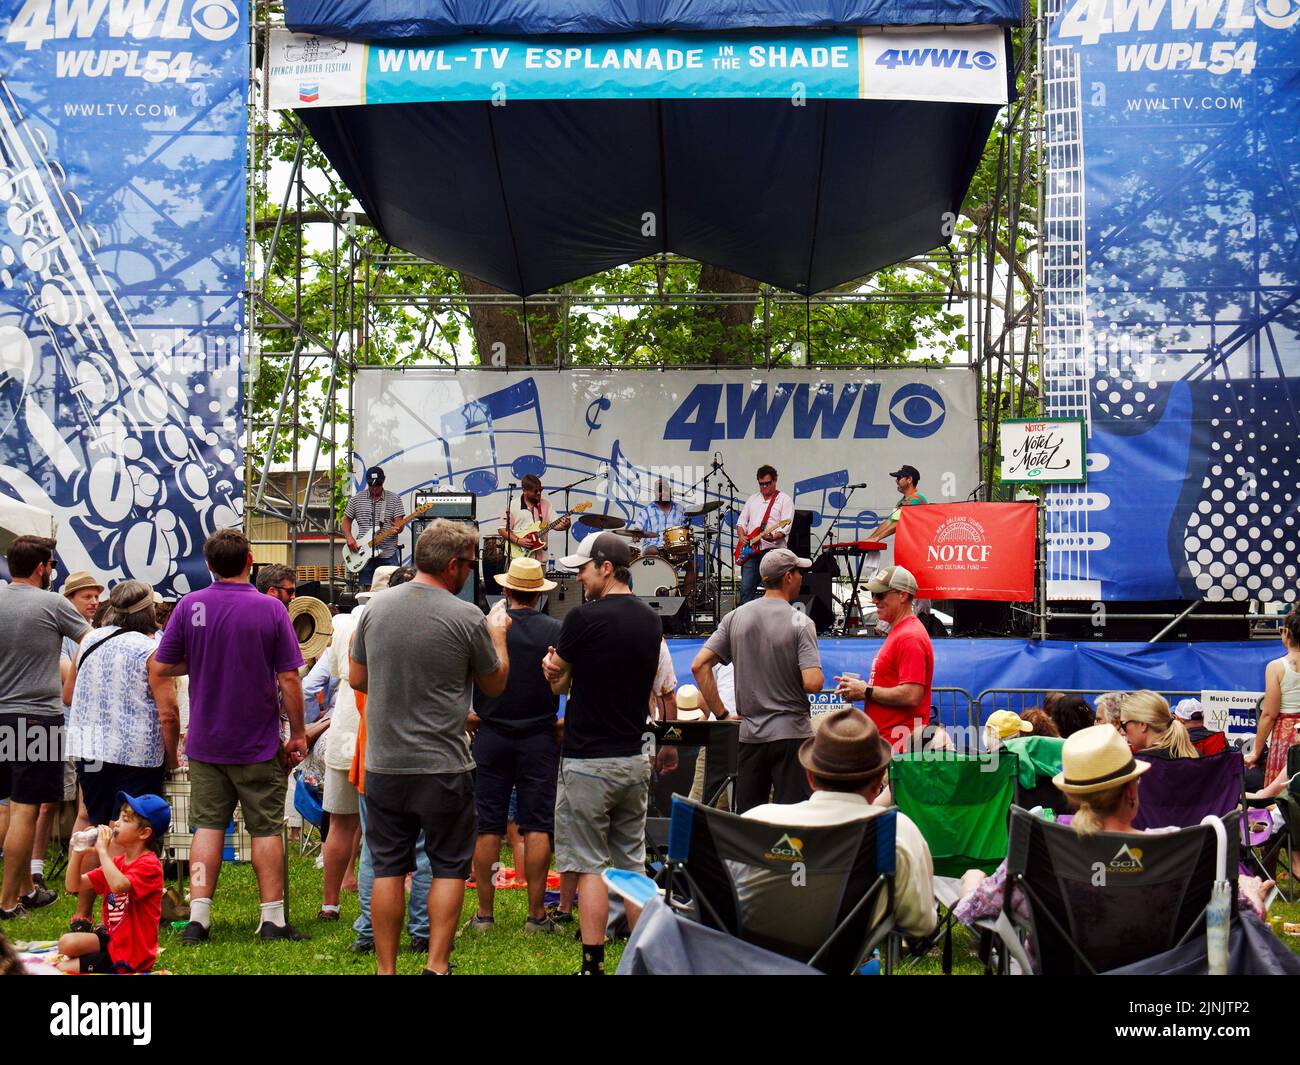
[(717, 459), (862, 485)]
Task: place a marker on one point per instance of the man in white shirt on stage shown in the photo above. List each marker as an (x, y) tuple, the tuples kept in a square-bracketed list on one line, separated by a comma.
[(766, 508), (524, 520)]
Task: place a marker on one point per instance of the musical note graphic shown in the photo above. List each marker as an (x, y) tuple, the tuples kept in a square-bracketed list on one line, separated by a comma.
[(594, 408), (482, 418), (830, 502)]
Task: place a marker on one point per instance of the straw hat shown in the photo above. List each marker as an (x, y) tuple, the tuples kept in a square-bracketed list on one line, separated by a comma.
[(525, 575), (79, 580), (1095, 759), (1004, 724), (378, 583), (313, 623), (845, 746), (689, 704)]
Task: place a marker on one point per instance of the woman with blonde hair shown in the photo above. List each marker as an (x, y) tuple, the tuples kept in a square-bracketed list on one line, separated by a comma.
[(1151, 729)]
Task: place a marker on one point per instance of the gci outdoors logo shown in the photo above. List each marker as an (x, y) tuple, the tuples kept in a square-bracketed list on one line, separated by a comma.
[(786, 849), (1127, 860), (958, 543), (755, 411), (214, 20)]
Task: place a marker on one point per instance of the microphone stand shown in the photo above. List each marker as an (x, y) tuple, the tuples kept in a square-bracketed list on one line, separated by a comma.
[(720, 468), (835, 521), (566, 489)]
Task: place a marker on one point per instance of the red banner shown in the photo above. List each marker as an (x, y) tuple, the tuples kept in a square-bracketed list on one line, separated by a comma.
[(970, 550)]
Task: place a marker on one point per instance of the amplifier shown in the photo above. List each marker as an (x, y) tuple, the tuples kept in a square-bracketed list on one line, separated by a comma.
[(459, 505)]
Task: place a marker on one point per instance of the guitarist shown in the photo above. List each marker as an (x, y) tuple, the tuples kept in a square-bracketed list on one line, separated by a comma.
[(762, 510), (378, 509), (529, 514)]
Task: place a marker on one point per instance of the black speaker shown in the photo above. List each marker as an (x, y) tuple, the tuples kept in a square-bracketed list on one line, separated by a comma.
[(815, 599), (799, 538)]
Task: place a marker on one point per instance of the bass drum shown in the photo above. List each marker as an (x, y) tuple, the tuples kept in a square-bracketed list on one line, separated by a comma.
[(653, 578)]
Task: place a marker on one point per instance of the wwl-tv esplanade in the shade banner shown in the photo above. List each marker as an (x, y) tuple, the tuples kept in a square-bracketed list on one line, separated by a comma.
[(1172, 301), (123, 133)]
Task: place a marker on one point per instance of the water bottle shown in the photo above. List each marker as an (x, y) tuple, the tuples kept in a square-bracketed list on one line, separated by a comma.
[(85, 841)]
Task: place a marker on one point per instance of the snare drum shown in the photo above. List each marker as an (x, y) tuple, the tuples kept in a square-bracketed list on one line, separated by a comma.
[(678, 543), (653, 578)]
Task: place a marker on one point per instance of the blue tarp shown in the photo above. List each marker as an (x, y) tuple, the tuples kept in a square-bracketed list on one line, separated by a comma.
[(369, 20), (978, 665)]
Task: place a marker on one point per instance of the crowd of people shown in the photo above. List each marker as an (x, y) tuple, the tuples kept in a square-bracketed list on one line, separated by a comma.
[(439, 735)]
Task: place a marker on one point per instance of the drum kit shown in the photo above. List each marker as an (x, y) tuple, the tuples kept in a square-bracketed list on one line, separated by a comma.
[(668, 570)]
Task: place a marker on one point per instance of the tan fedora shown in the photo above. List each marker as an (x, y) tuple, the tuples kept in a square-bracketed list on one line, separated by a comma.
[(313, 623), (79, 580), (845, 745), (525, 575), (1095, 759)]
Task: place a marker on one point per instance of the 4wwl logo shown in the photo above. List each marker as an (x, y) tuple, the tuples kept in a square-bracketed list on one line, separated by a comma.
[(958, 543), (213, 20), (786, 849)]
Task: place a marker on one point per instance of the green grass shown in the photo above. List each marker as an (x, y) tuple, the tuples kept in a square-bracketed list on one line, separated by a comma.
[(234, 948), (505, 950)]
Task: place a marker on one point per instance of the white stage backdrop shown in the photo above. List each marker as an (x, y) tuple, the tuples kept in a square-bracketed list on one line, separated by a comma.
[(483, 430)]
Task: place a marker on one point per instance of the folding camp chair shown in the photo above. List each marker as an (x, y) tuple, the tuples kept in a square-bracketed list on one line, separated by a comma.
[(960, 804), (1095, 903), (1181, 792), (808, 893), (719, 743), (307, 801)]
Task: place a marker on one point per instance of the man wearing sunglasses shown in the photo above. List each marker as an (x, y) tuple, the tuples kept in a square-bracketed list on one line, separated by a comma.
[(764, 509), (897, 693)]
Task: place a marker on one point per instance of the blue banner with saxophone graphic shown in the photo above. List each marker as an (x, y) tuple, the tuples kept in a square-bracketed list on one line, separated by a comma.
[(963, 64), (123, 134)]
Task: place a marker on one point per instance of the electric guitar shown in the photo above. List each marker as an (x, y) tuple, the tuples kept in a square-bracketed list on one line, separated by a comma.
[(745, 545), (533, 532), (355, 561)]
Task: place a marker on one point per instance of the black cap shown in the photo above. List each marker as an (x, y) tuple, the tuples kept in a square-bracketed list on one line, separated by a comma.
[(908, 471), (375, 475)]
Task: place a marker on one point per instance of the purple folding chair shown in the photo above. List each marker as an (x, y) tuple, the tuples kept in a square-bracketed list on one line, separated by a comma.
[(1179, 792)]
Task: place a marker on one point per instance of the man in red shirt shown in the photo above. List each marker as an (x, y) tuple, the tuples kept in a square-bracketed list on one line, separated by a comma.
[(897, 694)]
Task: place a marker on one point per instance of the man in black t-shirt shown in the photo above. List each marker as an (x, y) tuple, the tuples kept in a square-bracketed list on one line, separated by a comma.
[(605, 659), (515, 748)]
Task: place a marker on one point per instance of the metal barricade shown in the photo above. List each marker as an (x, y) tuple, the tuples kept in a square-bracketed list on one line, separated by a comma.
[(1019, 700)]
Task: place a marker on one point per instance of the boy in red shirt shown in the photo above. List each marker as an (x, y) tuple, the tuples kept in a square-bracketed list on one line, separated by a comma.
[(131, 882)]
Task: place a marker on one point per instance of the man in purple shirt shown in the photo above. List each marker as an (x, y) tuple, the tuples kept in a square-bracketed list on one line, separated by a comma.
[(241, 654)]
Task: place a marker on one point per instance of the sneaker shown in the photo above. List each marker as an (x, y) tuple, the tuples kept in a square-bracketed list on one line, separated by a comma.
[(79, 924), (481, 924), (38, 898), (560, 916), (18, 913), (419, 944), (546, 925), (362, 946), (193, 934), (328, 915), (268, 932)]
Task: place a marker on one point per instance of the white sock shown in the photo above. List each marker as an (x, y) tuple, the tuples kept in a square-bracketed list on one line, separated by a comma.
[(326, 908), (201, 911), (273, 912), (38, 867)]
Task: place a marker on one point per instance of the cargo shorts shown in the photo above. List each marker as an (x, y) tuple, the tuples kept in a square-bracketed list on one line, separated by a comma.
[(600, 806)]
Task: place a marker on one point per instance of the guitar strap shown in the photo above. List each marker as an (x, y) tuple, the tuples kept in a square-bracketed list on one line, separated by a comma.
[(766, 514)]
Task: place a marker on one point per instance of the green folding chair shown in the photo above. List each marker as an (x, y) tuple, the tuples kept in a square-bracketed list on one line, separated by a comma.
[(960, 803)]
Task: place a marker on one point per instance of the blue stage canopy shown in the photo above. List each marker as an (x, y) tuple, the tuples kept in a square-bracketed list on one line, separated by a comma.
[(369, 20), (526, 196)]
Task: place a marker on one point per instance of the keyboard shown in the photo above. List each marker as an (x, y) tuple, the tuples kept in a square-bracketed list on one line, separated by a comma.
[(855, 547)]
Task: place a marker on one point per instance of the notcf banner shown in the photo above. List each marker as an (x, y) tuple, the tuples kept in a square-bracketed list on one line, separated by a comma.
[(970, 550)]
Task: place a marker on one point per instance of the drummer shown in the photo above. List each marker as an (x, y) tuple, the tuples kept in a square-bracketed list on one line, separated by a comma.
[(654, 519)]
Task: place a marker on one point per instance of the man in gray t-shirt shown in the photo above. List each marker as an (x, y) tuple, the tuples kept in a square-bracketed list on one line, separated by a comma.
[(33, 624), (416, 653), (774, 648)]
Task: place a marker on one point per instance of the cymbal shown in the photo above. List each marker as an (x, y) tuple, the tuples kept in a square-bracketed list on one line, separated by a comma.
[(602, 521), (704, 508), (631, 533)]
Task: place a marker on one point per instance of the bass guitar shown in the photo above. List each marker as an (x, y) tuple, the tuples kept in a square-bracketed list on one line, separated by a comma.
[(355, 561), (747, 545)]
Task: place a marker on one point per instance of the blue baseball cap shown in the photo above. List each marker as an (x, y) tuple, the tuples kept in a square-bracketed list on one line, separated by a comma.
[(153, 808)]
